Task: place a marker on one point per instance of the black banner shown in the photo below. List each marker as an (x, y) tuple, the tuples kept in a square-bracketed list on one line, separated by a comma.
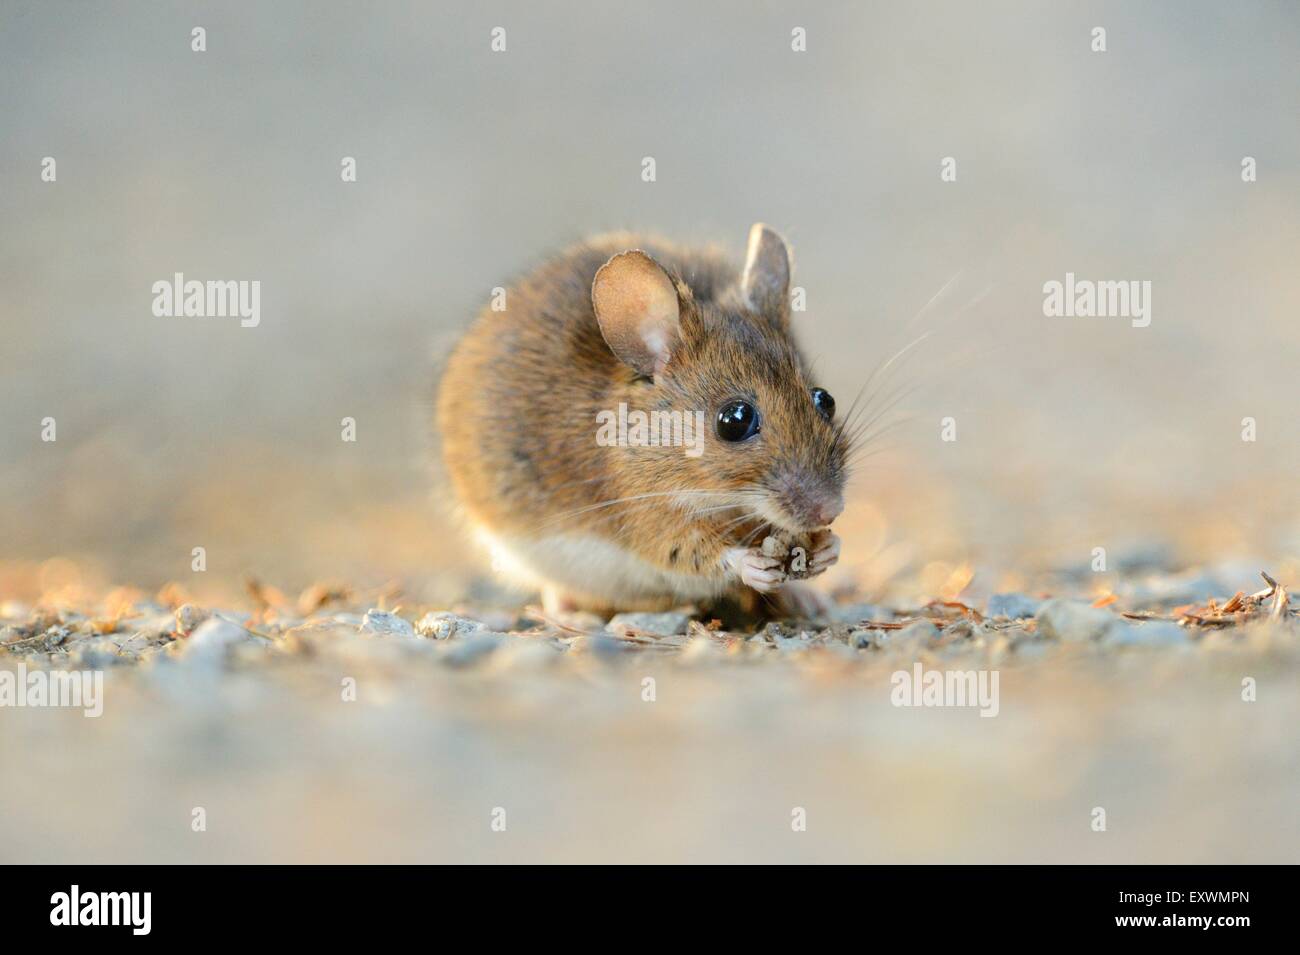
[(335, 904)]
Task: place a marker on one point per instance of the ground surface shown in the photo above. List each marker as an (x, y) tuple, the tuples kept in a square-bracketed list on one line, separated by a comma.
[(324, 728)]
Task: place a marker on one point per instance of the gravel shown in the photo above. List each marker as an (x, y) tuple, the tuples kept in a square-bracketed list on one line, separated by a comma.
[(1074, 621), (636, 739)]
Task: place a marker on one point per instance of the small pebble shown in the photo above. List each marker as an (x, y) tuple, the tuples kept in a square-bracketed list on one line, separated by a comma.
[(599, 645), (865, 639), (188, 617), (382, 623), (94, 654), (447, 626), (662, 624), (1074, 620), (215, 640)]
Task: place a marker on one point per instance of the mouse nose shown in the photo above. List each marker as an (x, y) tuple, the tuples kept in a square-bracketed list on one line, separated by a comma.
[(827, 509), (811, 501)]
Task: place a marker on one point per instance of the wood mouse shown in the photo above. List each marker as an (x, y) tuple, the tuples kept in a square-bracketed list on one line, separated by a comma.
[(624, 324)]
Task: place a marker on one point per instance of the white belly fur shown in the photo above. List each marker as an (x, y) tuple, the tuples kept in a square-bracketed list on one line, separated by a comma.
[(592, 566)]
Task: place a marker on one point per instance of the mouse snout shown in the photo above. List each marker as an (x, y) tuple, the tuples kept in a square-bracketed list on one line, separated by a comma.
[(812, 503), (827, 510)]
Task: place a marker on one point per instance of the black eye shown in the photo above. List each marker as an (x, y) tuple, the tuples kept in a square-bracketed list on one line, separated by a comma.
[(824, 403), (737, 421)]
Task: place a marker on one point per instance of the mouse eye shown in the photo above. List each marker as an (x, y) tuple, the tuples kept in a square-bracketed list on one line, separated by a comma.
[(824, 403), (737, 421)]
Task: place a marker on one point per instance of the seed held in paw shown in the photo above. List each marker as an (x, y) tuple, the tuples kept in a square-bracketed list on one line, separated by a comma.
[(793, 552)]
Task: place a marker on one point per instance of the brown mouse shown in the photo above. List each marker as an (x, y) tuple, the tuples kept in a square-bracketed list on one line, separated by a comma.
[(542, 410)]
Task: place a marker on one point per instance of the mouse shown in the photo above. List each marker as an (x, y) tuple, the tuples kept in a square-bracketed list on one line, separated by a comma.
[(546, 412)]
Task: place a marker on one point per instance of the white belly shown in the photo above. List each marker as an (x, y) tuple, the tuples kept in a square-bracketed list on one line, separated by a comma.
[(592, 566)]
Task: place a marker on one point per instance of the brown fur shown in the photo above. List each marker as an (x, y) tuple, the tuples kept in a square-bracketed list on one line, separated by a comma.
[(518, 409)]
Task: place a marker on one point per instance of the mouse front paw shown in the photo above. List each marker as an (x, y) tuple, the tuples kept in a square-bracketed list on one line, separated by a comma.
[(825, 551), (754, 569)]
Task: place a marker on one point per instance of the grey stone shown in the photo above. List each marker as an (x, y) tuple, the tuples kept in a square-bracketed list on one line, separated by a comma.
[(1013, 606), (57, 636), (796, 644), (1074, 621), (189, 617), (447, 626), (662, 624), (502, 621), (96, 653), (599, 645), (384, 624), (865, 639), (215, 640), (911, 639)]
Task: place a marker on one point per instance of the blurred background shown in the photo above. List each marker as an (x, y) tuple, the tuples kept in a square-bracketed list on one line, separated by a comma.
[(472, 165)]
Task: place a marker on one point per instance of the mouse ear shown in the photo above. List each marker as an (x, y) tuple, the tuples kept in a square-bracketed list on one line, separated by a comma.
[(637, 308), (765, 282)]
